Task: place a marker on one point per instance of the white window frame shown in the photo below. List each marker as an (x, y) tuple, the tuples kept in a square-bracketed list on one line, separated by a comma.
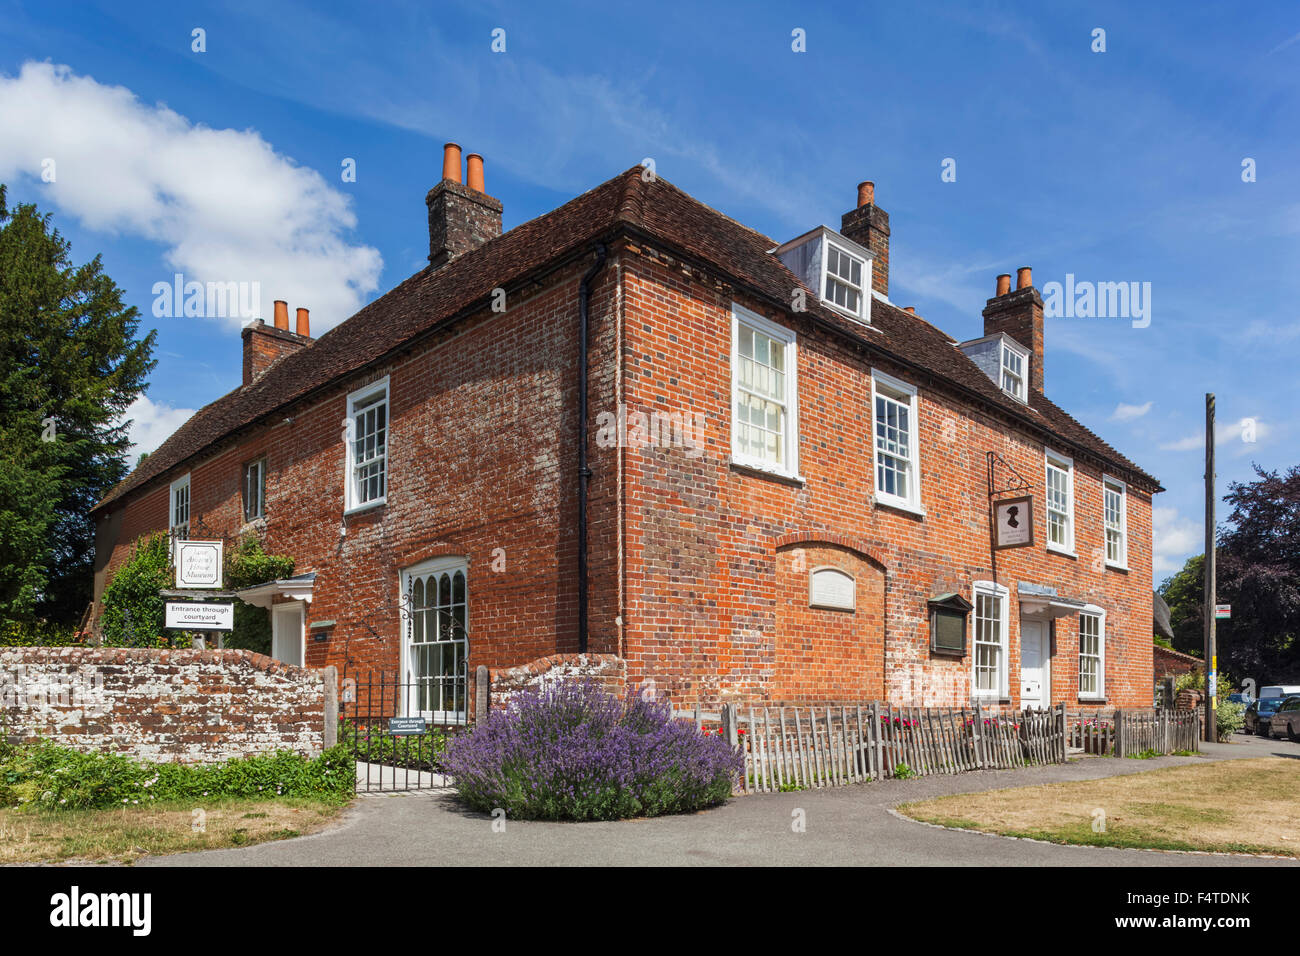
[(885, 385), (863, 291), (1023, 354), (780, 335), (180, 484), (1062, 463), (1108, 482), (1003, 596), (409, 706), (352, 502), (260, 463), (1100, 614)]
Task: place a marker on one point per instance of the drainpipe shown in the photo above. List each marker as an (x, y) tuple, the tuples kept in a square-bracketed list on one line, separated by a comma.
[(584, 471)]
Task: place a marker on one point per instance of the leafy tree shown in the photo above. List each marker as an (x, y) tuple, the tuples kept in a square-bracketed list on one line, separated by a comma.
[(1184, 593), (1259, 574), (70, 365), (135, 613)]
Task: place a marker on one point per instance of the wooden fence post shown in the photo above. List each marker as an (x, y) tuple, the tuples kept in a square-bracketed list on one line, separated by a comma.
[(1119, 732)]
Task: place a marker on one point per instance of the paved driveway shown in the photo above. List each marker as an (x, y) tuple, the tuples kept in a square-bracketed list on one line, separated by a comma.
[(844, 826)]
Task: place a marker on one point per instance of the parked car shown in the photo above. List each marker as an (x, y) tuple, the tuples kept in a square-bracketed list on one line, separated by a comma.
[(1286, 720), (1259, 713), (1279, 690), (1244, 699)]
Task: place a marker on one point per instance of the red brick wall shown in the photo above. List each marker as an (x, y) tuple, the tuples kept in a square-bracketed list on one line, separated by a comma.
[(185, 706), (704, 604), (689, 574), (1169, 663), (482, 465)]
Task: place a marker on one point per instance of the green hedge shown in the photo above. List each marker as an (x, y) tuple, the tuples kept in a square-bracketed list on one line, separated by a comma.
[(47, 776), (37, 634)]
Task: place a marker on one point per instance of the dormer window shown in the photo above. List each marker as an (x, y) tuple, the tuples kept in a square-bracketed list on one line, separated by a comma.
[(1002, 359), (1014, 363), (844, 280), (837, 268)]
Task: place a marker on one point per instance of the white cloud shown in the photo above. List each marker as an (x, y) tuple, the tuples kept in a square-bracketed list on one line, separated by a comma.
[(226, 205), (1175, 538), (1237, 438), (150, 424), (1126, 413)]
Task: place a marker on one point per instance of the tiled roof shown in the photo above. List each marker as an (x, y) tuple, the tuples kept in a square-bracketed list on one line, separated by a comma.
[(655, 208)]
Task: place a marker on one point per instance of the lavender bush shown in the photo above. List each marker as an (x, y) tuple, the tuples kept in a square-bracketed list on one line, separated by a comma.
[(574, 752)]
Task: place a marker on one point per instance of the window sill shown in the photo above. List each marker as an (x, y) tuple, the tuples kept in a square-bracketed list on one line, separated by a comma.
[(991, 699), (1117, 567), (1063, 552), (368, 506), (1091, 700), (767, 471), (898, 504)]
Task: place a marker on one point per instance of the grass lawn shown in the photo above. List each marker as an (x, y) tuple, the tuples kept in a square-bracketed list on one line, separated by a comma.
[(1230, 806), (125, 835)]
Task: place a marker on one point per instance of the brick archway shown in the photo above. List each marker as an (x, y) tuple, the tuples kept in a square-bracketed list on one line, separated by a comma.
[(823, 653)]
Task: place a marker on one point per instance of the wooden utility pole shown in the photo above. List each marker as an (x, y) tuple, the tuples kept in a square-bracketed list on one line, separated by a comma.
[(1211, 658)]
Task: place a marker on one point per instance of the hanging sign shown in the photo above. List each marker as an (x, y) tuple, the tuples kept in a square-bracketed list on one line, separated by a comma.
[(198, 564), (1013, 523)]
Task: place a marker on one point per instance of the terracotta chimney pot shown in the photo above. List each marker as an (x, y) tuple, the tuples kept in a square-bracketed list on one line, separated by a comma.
[(282, 315), (1024, 277), (451, 162), (1004, 284), (474, 179), (866, 193), (304, 323)]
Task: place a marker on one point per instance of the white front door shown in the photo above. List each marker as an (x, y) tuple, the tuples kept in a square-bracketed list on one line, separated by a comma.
[(287, 621), (1033, 664)]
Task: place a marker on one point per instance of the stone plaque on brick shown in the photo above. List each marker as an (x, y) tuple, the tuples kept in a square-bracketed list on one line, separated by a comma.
[(832, 588)]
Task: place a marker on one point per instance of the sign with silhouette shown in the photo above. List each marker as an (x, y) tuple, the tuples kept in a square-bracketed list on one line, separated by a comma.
[(1013, 523)]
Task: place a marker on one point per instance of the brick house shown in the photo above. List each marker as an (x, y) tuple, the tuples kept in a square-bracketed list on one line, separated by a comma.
[(782, 493)]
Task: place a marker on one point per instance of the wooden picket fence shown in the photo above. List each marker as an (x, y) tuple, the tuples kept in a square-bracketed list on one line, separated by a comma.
[(788, 748), (1125, 733), (1161, 731)]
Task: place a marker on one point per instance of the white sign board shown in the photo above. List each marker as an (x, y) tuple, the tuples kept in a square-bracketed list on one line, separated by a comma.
[(1013, 523), (192, 616), (1223, 612), (198, 564), (832, 588)]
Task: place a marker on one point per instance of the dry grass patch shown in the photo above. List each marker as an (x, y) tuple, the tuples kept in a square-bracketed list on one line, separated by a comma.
[(125, 835), (1232, 806)]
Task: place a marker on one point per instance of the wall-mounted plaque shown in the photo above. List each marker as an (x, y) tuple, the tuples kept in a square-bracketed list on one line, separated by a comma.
[(832, 588)]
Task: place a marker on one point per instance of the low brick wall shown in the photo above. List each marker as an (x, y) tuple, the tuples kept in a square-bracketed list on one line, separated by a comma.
[(607, 670), (187, 706)]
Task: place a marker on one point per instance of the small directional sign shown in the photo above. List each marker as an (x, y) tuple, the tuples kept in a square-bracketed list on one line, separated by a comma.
[(1223, 612), (195, 616), (405, 726)]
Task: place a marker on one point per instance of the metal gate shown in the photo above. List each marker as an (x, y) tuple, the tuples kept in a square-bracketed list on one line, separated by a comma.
[(395, 748)]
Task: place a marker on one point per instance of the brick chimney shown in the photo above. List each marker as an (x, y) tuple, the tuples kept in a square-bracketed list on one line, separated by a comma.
[(1019, 313), (461, 217), (264, 344), (868, 225)]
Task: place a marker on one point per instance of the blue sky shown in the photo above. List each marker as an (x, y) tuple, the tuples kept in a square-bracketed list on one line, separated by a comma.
[(1123, 165)]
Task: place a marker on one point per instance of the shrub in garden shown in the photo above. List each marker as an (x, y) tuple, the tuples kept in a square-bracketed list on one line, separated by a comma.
[(574, 752), (47, 776), (134, 610)]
